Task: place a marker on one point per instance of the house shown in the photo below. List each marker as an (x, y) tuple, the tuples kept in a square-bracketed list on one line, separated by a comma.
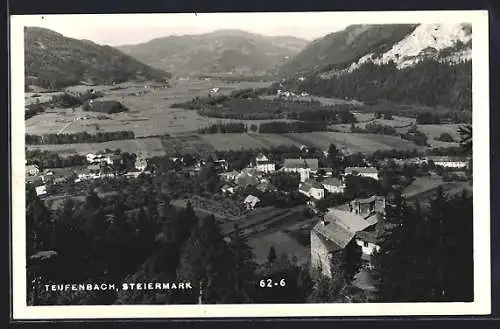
[(229, 176), (250, 202), (336, 230), (449, 162), (334, 185), (370, 172), (32, 170), (221, 165), (41, 190), (368, 206), (312, 189), (302, 166), (263, 164), (325, 172), (141, 164), (228, 189)]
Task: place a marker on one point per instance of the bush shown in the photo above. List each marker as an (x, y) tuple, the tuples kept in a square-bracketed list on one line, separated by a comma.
[(445, 137), (108, 106)]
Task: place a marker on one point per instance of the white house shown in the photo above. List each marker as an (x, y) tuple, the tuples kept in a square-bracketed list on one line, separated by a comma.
[(41, 190), (302, 166), (141, 164), (263, 164), (449, 162), (32, 170), (251, 201), (312, 189), (334, 185), (370, 172)]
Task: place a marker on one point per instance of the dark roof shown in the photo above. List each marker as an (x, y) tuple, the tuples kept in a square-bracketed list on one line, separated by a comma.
[(334, 232), (301, 163), (361, 170), (332, 181), (340, 226)]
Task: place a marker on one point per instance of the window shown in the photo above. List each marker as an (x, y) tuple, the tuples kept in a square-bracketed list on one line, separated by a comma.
[(365, 244)]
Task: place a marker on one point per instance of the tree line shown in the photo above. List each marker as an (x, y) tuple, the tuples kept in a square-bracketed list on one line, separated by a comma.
[(79, 137)]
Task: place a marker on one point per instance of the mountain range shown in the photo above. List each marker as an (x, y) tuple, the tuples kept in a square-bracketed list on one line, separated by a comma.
[(221, 51), (55, 61), (425, 63)]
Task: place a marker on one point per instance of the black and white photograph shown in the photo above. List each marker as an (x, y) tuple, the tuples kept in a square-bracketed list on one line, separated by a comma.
[(250, 164)]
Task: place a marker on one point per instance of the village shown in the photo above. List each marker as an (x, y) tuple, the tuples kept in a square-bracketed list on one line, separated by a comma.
[(326, 213)]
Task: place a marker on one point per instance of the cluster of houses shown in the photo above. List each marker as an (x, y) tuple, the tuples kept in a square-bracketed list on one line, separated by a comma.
[(98, 167), (314, 181)]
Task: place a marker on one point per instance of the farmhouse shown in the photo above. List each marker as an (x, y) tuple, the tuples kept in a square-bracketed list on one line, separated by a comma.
[(250, 202), (370, 172), (32, 170), (449, 162), (302, 166), (334, 185), (263, 164), (337, 229), (312, 189)]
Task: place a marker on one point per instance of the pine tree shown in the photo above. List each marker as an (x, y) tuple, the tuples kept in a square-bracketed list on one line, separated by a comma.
[(271, 257), (204, 259), (243, 274)]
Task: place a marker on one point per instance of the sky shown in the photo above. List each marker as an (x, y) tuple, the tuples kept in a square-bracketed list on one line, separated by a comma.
[(117, 30)]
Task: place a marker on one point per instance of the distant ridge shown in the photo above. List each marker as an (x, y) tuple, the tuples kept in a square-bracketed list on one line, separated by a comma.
[(222, 51)]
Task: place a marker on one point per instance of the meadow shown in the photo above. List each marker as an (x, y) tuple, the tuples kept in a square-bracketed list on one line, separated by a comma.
[(149, 109)]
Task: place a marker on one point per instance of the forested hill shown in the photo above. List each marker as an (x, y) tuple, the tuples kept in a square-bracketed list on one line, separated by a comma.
[(427, 83), (428, 64), (217, 52), (55, 61)]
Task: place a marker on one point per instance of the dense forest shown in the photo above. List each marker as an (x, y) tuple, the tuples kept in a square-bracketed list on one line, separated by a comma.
[(428, 83), (254, 108), (427, 255)]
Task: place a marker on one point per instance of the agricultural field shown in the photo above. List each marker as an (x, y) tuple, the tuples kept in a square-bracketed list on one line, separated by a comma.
[(422, 189), (365, 143), (149, 147), (149, 109), (353, 142)]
